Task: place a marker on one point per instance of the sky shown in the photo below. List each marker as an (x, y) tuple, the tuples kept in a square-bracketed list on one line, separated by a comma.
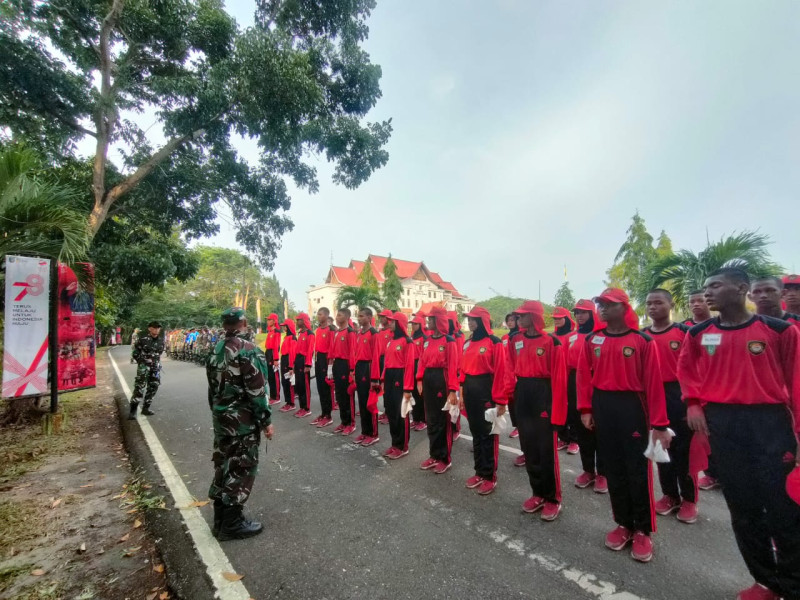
[(527, 133)]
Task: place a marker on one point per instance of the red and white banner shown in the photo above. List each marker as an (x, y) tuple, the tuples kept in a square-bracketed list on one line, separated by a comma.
[(27, 323), (76, 345)]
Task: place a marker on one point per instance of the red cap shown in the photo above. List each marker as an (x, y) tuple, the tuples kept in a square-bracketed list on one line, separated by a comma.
[(584, 304), (613, 295), (386, 313), (559, 312), (791, 280), (273, 317), (305, 319), (793, 484), (401, 320), (419, 319), (535, 308), (372, 402), (442, 322), (481, 313)]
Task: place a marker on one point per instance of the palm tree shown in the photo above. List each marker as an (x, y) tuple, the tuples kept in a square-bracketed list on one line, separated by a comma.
[(36, 216), (361, 297), (684, 271)]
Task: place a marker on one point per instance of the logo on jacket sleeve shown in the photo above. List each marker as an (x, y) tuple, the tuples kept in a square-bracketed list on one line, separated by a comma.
[(675, 345), (627, 351), (540, 352), (756, 347)]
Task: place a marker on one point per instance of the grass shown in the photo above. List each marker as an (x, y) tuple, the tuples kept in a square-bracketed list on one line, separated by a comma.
[(18, 523), (139, 495), (9, 574), (51, 590), (24, 449)]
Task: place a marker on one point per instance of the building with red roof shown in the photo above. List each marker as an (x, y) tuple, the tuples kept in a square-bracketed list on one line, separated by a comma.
[(422, 288)]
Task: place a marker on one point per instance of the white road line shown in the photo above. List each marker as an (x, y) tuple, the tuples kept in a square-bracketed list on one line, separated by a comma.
[(211, 553), (516, 451)]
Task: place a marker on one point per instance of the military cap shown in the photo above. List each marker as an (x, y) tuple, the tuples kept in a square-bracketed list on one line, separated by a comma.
[(154, 324), (234, 313)]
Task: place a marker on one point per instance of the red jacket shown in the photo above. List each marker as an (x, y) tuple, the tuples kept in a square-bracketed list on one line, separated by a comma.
[(440, 353), (323, 339), (273, 342), (668, 343), (487, 355), (622, 362), (383, 338), (399, 354), (364, 348), (343, 345), (289, 343)]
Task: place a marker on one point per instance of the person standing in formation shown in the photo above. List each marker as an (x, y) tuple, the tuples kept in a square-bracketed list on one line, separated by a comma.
[(437, 381), (458, 336), (483, 372), (419, 338), (564, 328), (537, 376), (586, 316), (272, 350), (365, 352), (385, 335), (767, 293), (236, 371), (397, 379), (678, 485), (342, 360), (288, 347), (513, 329), (147, 353), (324, 338), (303, 359), (740, 376), (791, 293), (621, 395)]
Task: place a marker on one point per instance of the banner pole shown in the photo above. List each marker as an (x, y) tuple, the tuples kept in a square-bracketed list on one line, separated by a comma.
[(53, 336)]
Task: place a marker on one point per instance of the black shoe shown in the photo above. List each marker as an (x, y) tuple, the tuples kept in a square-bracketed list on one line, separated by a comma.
[(235, 526), (147, 411), (219, 511), (134, 408)]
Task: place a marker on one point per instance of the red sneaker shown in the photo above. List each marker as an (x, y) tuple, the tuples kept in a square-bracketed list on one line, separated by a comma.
[(421, 426), (486, 487), (532, 504), (441, 467), (456, 435), (370, 440), (324, 422), (428, 463), (287, 407), (667, 505), (514, 433), (302, 413), (474, 481), (706, 482), (348, 430), (551, 511), (573, 448), (757, 592), (274, 401), (519, 461), (389, 452), (562, 445), (359, 439), (316, 420), (339, 428), (619, 538), (688, 512), (584, 480), (600, 485), (382, 418), (642, 549), (335, 406), (399, 454)]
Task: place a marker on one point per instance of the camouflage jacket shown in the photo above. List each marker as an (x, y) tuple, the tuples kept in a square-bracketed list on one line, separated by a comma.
[(148, 350), (237, 372)]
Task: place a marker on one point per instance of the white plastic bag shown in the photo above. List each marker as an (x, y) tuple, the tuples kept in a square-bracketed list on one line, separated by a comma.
[(656, 452), (405, 407), (499, 424), (455, 412), (330, 371)]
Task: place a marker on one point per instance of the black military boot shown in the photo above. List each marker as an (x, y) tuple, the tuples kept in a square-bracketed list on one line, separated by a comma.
[(134, 408), (219, 511), (235, 526), (147, 411)]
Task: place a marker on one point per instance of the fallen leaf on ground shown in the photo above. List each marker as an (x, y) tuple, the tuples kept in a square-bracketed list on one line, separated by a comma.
[(38, 572), (55, 503), (163, 596), (82, 470), (125, 537), (152, 596), (82, 548), (232, 576), (197, 503), (118, 496), (137, 523), (132, 551), (88, 485), (131, 511), (158, 568)]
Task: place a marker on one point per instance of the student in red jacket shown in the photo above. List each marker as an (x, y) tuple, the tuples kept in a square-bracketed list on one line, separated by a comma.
[(322, 346), (586, 317), (537, 374), (397, 379), (621, 394), (272, 350), (288, 347), (740, 376), (511, 324), (385, 335), (303, 358), (364, 352), (341, 358), (437, 382), (483, 372), (419, 338), (767, 294), (458, 336), (791, 293), (678, 485), (564, 327)]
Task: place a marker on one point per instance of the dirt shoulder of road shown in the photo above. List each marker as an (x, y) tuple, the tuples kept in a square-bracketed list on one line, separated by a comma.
[(74, 513)]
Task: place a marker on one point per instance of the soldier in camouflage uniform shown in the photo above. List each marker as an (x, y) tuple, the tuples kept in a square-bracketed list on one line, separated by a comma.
[(147, 354), (236, 371)]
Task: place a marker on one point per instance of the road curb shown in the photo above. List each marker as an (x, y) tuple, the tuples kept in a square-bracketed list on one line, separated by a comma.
[(186, 574)]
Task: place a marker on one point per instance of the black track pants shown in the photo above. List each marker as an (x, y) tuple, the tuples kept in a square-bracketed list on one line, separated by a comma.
[(369, 421), (341, 381), (485, 447), (440, 431), (674, 476), (323, 389), (537, 438), (392, 403)]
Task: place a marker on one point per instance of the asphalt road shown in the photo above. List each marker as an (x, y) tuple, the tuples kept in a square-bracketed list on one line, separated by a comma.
[(341, 522)]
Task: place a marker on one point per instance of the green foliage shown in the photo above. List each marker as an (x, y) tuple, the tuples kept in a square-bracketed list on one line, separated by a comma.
[(392, 286), (362, 297), (564, 297), (630, 266), (500, 306), (686, 271), (297, 82), (367, 279)]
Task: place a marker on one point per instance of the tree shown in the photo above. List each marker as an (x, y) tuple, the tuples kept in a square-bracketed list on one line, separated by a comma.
[(663, 245), (686, 271), (392, 286), (635, 254), (367, 279), (298, 82), (361, 297), (564, 297), (500, 306)]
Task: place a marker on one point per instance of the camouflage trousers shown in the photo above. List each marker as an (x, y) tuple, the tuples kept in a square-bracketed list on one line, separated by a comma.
[(235, 466), (148, 378)]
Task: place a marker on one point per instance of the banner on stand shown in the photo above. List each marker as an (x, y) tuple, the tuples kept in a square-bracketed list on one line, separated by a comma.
[(27, 326), (76, 341)]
